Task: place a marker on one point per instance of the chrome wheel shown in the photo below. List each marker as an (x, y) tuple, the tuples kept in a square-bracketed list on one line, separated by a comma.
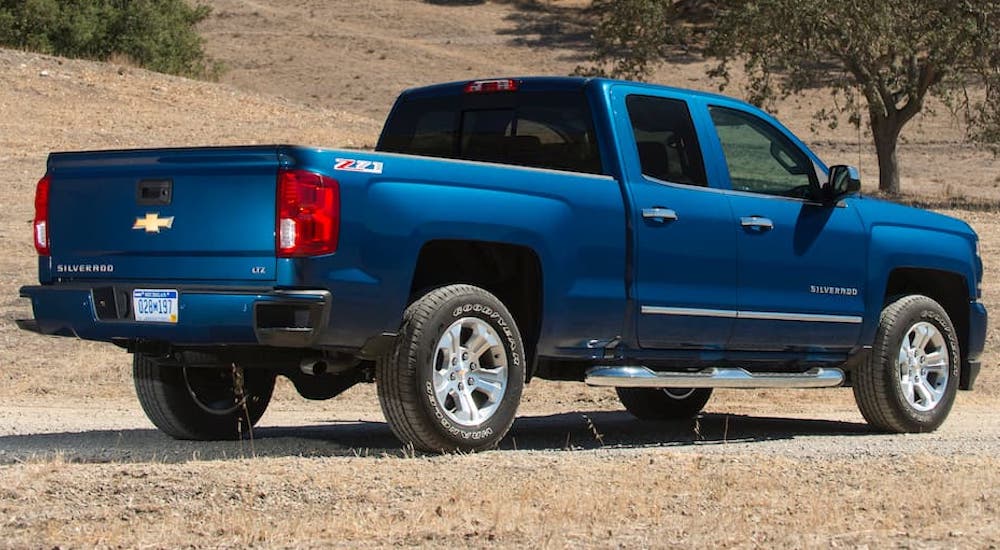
[(453, 379), (923, 366), (909, 379), (470, 371)]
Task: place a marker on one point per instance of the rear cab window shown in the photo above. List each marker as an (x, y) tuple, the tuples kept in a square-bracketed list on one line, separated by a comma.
[(540, 129), (665, 140)]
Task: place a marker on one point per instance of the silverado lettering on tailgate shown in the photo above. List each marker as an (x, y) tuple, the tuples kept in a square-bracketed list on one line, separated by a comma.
[(85, 268)]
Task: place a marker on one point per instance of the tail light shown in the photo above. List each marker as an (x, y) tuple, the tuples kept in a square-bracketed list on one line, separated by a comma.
[(308, 214), (41, 225), (491, 86)]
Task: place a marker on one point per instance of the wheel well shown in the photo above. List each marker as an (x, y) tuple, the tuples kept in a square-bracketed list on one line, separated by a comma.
[(946, 288), (512, 273)]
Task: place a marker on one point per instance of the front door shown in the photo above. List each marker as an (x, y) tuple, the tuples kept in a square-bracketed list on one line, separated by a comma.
[(801, 263)]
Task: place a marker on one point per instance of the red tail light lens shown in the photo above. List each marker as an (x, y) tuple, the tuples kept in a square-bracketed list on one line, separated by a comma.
[(41, 225), (491, 86), (308, 214)]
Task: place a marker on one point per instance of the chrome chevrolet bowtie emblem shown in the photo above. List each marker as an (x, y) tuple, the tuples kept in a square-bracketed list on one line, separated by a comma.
[(153, 223)]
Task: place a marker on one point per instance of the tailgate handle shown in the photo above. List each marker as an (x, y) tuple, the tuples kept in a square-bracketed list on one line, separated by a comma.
[(154, 192)]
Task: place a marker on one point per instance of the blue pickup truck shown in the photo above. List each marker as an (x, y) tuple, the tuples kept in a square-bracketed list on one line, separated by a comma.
[(659, 241)]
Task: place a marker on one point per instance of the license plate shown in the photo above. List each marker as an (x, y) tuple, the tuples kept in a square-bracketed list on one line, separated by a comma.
[(155, 306)]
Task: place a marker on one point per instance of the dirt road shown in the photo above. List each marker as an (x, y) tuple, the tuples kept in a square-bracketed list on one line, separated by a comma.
[(117, 431)]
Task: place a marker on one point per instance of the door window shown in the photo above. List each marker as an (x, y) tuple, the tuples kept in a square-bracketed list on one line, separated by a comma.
[(760, 158), (665, 140)]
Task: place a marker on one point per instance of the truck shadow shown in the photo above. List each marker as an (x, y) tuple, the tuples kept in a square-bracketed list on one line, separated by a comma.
[(557, 432), (619, 429)]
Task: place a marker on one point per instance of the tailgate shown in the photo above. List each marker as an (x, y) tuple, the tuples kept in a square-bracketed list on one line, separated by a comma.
[(205, 214)]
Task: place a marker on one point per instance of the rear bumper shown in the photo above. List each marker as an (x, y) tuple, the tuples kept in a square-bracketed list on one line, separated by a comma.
[(975, 345), (283, 318)]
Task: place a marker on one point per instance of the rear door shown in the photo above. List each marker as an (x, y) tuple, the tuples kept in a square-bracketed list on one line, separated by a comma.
[(801, 263), (171, 214), (685, 246)]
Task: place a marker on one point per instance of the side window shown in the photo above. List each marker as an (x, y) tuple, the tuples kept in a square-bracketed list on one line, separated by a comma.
[(760, 158), (666, 140)]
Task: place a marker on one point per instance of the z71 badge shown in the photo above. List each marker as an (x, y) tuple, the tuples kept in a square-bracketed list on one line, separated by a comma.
[(351, 165)]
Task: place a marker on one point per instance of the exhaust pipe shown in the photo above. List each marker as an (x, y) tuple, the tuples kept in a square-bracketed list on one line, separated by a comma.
[(313, 367)]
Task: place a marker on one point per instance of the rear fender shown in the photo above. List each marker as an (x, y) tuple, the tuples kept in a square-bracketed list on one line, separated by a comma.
[(574, 223)]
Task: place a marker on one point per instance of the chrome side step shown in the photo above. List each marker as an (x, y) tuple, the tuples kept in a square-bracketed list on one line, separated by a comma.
[(642, 377)]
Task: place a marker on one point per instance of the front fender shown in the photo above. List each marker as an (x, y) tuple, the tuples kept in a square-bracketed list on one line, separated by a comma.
[(898, 246)]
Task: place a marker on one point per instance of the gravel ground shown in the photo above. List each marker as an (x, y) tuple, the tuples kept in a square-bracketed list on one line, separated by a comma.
[(117, 431)]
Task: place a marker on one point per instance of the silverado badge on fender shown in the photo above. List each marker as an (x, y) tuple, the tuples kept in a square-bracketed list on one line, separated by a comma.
[(153, 223)]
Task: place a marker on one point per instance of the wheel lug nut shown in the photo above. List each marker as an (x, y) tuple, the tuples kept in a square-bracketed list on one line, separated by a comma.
[(465, 357), (460, 386), (452, 376), (472, 366), (472, 381)]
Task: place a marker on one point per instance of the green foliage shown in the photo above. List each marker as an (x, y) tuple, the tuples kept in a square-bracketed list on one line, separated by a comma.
[(891, 53), (631, 35), (156, 34)]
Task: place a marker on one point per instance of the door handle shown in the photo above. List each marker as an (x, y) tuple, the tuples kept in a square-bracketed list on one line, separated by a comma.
[(757, 222), (659, 214)]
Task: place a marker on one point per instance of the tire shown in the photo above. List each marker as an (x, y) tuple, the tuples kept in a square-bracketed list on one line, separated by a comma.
[(909, 381), (664, 403), (423, 383), (200, 403)]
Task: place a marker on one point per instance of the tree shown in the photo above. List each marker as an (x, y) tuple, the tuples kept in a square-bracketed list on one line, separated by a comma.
[(892, 53), (157, 34)]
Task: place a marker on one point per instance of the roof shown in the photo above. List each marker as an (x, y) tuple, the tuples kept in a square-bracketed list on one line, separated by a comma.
[(552, 83)]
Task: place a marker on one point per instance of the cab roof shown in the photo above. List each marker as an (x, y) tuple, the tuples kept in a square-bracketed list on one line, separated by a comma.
[(556, 83)]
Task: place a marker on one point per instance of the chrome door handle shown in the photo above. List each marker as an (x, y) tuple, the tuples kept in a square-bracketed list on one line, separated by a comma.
[(659, 214), (756, 222)]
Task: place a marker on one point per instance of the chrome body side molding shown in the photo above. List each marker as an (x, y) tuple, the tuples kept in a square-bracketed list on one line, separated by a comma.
[(759, 315)]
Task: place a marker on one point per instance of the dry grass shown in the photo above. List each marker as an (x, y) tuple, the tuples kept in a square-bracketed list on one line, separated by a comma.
[(498, 499)]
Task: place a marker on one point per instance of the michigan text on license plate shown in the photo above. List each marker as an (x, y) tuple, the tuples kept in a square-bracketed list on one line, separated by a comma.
[(157, 306)]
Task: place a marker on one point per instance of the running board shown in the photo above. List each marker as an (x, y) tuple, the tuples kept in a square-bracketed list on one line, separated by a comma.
[(642, 377)]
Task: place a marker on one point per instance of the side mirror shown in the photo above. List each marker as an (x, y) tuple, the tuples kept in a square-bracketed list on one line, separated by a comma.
[(844, 180)]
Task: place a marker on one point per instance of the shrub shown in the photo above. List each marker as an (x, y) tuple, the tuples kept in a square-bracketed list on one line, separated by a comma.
[(159, 35)]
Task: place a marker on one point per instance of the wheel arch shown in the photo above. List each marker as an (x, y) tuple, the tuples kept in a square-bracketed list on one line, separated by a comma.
[(512, 273), (947, 288)]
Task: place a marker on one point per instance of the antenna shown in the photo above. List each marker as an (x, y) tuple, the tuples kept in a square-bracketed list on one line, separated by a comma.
[(859, 141)]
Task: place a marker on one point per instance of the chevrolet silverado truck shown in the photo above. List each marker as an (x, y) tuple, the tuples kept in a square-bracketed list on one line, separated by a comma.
[(660, 241)]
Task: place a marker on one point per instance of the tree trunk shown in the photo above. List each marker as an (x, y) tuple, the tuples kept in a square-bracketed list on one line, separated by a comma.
[(886, 133)]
